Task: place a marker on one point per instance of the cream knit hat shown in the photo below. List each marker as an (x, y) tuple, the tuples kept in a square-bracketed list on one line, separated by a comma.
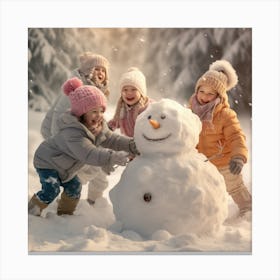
[(89, 60), (134, 77), (221, 76)]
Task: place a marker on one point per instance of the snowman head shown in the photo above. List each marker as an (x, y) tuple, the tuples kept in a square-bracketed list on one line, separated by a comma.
[(166, 127)]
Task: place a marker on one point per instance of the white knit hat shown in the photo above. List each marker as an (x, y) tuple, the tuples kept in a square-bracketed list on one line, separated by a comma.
[(89, 60), (134, 77)]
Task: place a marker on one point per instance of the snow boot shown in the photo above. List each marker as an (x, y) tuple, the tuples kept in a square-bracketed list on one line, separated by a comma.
[(35, 206), (243, 199), (66, 205), (93, 195), (90, 202)]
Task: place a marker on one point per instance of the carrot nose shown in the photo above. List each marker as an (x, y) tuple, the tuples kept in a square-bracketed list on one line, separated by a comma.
[(154, 124)]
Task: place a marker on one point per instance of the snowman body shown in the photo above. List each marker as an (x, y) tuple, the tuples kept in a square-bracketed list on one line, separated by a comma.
[(170, 186)]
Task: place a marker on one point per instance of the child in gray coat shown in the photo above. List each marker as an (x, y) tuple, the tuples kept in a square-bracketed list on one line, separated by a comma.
[(83, 138), (93, 70)]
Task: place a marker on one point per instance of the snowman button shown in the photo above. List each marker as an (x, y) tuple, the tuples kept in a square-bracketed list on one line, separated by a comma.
[(147, 197)]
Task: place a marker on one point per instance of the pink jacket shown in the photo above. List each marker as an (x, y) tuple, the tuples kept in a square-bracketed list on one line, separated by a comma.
[(126, 123)]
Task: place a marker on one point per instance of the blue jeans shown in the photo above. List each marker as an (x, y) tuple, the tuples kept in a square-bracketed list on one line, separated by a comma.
[(51, 182)]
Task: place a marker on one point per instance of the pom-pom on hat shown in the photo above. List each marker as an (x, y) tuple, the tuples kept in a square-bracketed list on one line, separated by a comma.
[(83, 98), (134, 77), (221, 77), (89, 60)]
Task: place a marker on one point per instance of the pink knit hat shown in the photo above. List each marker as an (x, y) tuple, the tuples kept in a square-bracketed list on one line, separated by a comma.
[(83, 98)]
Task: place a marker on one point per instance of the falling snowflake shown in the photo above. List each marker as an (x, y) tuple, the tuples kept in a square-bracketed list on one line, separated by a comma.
[(236, 101)]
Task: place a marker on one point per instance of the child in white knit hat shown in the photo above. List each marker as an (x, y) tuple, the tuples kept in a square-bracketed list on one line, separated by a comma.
[(93, 70), (83, 138), (222, 139), (132, 102)]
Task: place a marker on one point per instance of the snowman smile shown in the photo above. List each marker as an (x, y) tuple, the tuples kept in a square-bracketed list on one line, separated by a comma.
[(156, 139)]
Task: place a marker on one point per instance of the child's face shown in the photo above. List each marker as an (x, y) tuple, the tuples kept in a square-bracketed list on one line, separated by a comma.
[(93, 120), (206, 94), (99, 74), (130, 95)]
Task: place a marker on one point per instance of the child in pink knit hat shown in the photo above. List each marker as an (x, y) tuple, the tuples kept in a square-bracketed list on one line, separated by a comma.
[(93, 70), (83, 138), (132, 102)]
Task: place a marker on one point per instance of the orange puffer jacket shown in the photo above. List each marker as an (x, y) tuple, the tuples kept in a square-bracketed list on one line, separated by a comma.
[(224, 139)]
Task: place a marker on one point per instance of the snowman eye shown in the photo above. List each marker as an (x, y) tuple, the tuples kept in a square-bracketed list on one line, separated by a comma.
[(149, 117), (162, 116)]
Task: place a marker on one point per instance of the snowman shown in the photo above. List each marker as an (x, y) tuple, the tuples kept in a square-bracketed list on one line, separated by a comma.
[(170, 187)]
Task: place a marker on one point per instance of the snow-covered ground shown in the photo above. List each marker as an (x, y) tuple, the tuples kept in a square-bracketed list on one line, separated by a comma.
[(91, 229)]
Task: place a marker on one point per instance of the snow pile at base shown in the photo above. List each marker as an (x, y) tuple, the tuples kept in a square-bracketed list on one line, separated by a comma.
[(169, 188)]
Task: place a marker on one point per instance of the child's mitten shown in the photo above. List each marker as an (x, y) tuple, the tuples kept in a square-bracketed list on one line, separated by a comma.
[(132, 148), (236, 165)]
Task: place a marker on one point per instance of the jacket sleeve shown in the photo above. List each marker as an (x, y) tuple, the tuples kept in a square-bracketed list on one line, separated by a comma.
[(117, 142), (234, 135), (46, 124), (84, 150), (61, 106)]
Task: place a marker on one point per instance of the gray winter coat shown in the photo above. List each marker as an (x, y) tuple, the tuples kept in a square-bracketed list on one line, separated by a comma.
[(74, 146), (62, 104)]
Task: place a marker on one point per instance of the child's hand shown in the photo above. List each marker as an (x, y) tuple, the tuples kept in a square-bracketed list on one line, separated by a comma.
[(132, 148), (236, 165), (119, 158), (112, 124)]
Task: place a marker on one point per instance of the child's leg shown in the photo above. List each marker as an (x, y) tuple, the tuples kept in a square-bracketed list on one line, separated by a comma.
[(97, 185), (237, 190), (50, 182), (70, 196)]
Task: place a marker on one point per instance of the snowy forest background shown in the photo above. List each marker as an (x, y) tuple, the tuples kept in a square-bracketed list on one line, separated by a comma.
[(172, 59)]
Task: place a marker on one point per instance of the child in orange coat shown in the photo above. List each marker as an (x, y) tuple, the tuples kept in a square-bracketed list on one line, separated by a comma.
[(222, 139)]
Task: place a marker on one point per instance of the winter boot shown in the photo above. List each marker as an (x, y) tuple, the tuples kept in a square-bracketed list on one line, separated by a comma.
[(93, 195), (35, 206), (90, 202), (96, 187), (243, 199), (66, 205)]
